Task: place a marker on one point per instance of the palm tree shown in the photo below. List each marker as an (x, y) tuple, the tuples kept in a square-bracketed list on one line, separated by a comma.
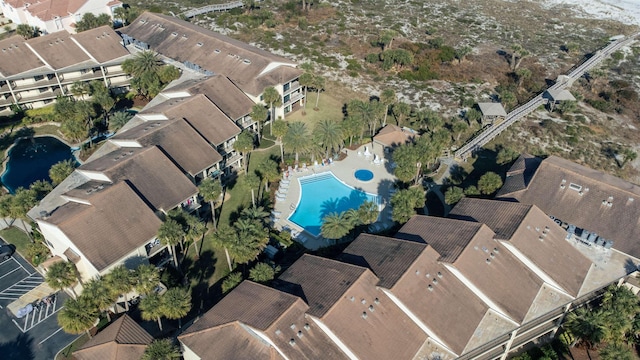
[(587, 325), (405, 202), (99, 295), (225, 237), (387, 98), (522, 74), (272, 97), (268, 171), (615, 351), (305, 80), (195, 231), (62, 275), (161, 349), (61, 170), (259, 114), (262, 273), (147, 278), (250, 182), (80, 89), (329, 134), (210, 190), (151, 308), (280, 128), (297, 138), (171, 233), (142, 63), (27, 31), (243, 145), (77, 316), (400, 111), (118, 119), (318, 84), (255, 214), (176, 304), (368, 213), (335, 226), (120, 282)]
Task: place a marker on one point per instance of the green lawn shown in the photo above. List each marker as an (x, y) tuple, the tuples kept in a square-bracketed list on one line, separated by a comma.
[(329, 108), (17, 237)]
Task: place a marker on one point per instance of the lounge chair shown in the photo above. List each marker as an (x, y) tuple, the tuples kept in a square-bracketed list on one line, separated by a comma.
[(280, 198), (284, 186)]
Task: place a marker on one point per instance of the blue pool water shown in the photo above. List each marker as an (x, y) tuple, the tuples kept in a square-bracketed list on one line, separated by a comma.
[(323, 194), (30, 160), (363, 175)]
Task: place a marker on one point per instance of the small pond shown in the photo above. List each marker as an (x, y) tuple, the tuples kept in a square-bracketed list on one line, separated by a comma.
[(31, 159)]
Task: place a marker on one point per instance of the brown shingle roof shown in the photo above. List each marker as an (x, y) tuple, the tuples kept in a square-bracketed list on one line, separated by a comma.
[(448, 237), (149, 171), (206, 118), (116, 223), (502, 217), (319, 282), (524, 226), (279, 315), (46, 10), (392, 135), (222, 92), (217, 53), (252, 304), (58, 50), (499, 275), (388, 258), (449, 308), (16, 57), (619, 222), (102, 43), (178, 140), (235, 343), (124, 339)]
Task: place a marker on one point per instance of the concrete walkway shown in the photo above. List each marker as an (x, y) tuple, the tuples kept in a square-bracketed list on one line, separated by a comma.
[(381, 185)]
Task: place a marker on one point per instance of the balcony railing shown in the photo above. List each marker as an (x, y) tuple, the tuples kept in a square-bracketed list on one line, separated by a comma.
[(293, 99), (292, 86)]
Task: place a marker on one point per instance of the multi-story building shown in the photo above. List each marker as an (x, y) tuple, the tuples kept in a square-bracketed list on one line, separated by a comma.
[(495, 277), (34, 72), (55, 15), (249, 68)]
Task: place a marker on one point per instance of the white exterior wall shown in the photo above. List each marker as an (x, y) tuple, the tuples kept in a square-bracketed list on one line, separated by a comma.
[(188, 354), (17, 15), (60, 242)]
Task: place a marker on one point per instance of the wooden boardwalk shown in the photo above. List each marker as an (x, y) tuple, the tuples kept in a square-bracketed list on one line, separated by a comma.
[(213, 8), (577, 71)]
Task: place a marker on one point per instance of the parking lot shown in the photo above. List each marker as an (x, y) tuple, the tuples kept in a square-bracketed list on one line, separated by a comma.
[(36, 336)]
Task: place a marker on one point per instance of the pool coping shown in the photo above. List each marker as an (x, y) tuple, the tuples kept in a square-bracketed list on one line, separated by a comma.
[(315, 174)]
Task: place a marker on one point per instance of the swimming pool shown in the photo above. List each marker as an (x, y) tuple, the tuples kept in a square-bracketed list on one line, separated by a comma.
[(323, 194)]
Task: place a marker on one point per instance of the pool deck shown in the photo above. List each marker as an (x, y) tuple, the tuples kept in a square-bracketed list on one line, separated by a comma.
[(344, 170)]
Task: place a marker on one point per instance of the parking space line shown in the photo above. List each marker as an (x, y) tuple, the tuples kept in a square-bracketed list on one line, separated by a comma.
[(48, 337), (10, 272), (18, 262)]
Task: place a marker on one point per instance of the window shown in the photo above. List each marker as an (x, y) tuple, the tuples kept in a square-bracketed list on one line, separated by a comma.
[(287, 98), (575, 187), (286, 86), (287, 109)]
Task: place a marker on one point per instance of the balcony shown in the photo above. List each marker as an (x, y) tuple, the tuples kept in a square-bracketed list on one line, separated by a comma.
[(292, 87), (190, 206), (293, 99), (36, 85)]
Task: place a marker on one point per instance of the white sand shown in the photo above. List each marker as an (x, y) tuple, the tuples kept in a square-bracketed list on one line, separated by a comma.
[(625, 11)]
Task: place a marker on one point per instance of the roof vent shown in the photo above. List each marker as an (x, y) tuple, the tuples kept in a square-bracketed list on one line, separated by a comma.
[(492, 255), (495, 250), (430, 287), (199, 44), (174, 34), (246, 61), (307, 327), (561, 186), (185, 36), (630, 199), (363, 301), (377, 301), (417, 272), (217, 51), (300, 334), (609, 204), (292, 342), (143, 21), (488, 261), (278, 332), (371, 308), (484, 248), (364, 315), (435, 281), (575, 187), (352, 298), (292, 326), (564, 181), (439, 274), (580, 193), (541, 238)]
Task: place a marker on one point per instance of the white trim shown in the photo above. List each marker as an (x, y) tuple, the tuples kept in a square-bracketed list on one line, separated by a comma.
[(334, 338), (263, 337), (152, 117), (528, 263), (480, 294), (418, 322)]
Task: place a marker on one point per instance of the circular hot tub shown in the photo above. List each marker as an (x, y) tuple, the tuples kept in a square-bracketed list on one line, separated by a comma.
[(363, 175)]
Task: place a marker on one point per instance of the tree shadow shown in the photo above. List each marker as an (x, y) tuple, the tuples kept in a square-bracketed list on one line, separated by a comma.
[(457, 174), (630, 266), (19, 348)]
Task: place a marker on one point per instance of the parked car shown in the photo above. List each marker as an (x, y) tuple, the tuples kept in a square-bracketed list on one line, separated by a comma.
[(6, 251)]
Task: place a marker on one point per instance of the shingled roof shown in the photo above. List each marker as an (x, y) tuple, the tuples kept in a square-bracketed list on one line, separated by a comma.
[(250, 68), (123, 339), (116, 223), (560, 187)]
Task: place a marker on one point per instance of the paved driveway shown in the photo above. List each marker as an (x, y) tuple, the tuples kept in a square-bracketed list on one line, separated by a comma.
[(37, 336)]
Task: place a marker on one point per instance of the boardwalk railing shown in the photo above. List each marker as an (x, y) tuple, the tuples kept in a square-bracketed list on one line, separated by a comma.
[(524, 110), (212, 8)]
